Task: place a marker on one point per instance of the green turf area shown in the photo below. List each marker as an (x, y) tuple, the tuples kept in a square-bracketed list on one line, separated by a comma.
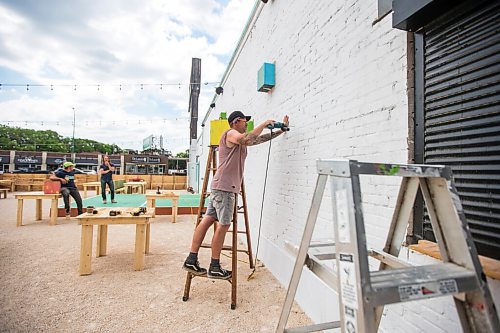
[(138, 200)]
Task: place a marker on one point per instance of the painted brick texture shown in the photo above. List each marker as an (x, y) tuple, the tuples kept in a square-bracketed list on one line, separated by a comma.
[(343, 83)]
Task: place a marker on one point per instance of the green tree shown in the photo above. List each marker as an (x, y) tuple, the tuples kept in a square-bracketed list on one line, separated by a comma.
[(15, 138), (184, 154)]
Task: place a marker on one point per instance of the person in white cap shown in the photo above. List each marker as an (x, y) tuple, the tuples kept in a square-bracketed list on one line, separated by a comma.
[(225, 187), (68, 187)]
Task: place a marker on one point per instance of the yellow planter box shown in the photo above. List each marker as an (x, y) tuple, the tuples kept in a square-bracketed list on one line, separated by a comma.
[(219, 126)]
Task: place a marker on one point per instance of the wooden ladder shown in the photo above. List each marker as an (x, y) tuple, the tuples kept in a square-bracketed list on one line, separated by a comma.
[(212, 166)]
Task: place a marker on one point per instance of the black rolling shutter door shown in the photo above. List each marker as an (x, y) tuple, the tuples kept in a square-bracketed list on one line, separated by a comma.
[(462, 114)]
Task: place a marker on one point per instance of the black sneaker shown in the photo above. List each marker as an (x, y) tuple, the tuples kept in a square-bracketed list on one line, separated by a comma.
[(194, 268), (217, 272)]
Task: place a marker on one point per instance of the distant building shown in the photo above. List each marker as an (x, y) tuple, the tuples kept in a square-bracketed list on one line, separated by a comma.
[(29, 161)]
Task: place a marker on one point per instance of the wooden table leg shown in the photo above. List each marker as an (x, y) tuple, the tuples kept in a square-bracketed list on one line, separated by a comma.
[(174, 210), (148, 235), (86, 250), (19, 212), (152, 204), (84, 192), (53, 212), (102, 240), (140, 245), (38, 209), (98, 190)]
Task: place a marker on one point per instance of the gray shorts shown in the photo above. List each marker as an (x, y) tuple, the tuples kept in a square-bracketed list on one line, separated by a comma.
[(221, 206)]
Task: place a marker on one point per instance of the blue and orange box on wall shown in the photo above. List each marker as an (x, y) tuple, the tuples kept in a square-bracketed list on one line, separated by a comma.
[(219, 126)]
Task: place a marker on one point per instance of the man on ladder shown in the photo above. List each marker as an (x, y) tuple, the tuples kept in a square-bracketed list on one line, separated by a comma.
[(225, 188)]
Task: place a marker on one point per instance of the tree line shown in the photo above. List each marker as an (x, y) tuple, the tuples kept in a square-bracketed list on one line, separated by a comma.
[(16, 138)]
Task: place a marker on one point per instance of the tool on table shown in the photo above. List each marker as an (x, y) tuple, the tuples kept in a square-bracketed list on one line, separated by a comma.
[(90, 210), (138, 211), (114, 212)]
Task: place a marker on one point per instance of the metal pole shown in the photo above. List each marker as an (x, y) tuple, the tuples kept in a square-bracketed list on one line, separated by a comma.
[(74, 123)]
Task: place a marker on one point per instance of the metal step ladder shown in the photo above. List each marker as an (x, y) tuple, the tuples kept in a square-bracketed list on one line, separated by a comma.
[(363, 293), (212, 166)]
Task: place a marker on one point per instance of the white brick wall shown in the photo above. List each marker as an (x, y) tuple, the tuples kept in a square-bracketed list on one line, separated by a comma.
[(342, 81)]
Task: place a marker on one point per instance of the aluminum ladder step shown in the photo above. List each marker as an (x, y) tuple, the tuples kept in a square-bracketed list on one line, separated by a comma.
[(419, 282)]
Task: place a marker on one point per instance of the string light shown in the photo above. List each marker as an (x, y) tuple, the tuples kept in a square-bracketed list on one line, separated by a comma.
[(100, 122), (99, 85)]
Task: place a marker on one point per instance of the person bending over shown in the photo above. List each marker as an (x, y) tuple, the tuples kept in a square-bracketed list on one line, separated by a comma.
[(67, 178), (225, 188), (106, 170)]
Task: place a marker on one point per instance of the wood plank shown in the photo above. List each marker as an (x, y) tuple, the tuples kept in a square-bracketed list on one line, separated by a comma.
[(19, 212), (491, 267), (86, 250), (38, 209), (53, 211), (102, 240), (140, 245)]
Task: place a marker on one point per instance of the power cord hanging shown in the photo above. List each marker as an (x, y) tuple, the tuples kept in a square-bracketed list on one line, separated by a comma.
[(261, 209)]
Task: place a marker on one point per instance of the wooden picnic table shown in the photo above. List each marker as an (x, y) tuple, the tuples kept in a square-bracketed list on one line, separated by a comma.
[(151, 202), (102, 220), (96, 185), (8, 182), (38, 196), (141, 186)]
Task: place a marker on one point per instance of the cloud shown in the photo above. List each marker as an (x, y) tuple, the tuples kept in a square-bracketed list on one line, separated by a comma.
[(113, 43)]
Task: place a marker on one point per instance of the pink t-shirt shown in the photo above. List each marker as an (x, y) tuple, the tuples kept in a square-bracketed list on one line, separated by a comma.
[(231, 166)]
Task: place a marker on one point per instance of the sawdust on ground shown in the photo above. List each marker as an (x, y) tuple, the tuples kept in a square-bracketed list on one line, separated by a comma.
[(41, 290)]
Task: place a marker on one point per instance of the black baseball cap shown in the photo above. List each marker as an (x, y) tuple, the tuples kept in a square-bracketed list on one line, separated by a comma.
[(237, 114)]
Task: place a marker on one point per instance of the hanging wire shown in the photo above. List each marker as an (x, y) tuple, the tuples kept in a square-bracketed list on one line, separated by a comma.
[(99, 85)]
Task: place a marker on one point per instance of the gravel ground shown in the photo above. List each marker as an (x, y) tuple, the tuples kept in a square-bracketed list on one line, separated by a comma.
[(41, 290)]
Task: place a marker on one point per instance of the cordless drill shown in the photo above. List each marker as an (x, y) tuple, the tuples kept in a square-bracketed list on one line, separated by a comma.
[(279, 125)]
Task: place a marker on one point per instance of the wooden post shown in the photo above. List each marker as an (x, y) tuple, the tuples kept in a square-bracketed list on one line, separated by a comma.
[(148, 237), (175, 208), (53, 211), (38, 209), (19, 212), (102, 240), (140, 245), (86, 250)]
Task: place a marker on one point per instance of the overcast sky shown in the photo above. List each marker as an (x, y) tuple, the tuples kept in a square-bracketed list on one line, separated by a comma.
[(82, 51)]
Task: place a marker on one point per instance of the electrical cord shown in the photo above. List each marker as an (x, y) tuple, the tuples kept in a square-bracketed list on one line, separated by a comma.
[(261, 208)]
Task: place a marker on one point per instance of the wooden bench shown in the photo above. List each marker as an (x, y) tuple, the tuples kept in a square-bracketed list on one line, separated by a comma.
[(119, 186), (29, 185), (4, 192), (96, 185), (38, 197)]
